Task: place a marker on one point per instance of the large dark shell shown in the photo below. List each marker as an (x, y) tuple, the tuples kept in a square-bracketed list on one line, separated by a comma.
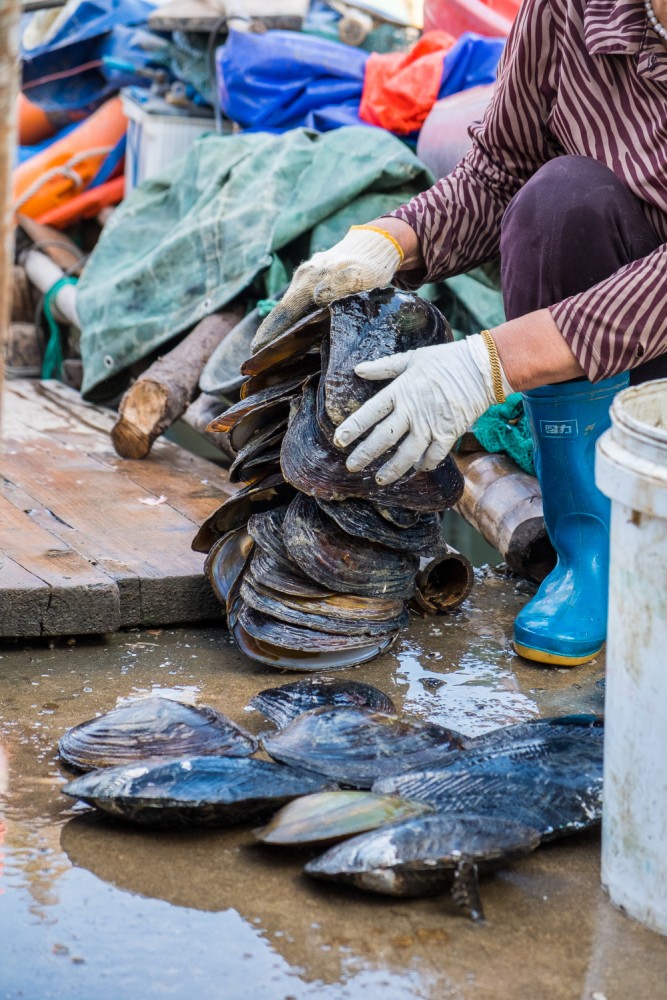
[(340, 561), (585, 730), (245, 418), (301, 368), (420, 856), (292, 344), (373, 325), (400, 517), (193, 791), (549, 743), (256, 403), (299, 638), (266, 529), (288, 647), (325, 817), (554, 803), (283, 704), (238, 508), (360, 519), (284, 576), (226, 562), (264, 443), (356, 746), (316, 467), (342, 616), (152, 727)]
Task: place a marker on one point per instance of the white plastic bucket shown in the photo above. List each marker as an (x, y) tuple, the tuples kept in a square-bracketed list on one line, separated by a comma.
[(631, 469)]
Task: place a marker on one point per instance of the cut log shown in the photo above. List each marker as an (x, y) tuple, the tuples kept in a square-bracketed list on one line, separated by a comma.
[(162, 393), (23, 352), (504, 504)]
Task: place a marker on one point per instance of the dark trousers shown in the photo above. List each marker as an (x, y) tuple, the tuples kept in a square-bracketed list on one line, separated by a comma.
[(573, 224)]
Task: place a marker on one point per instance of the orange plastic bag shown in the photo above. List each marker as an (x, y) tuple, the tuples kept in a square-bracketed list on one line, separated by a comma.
[(66, 167), (401, 88)]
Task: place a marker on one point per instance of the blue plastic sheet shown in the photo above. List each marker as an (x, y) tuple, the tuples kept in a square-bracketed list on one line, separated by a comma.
[(283, 79), (69, 72), (472, 61)]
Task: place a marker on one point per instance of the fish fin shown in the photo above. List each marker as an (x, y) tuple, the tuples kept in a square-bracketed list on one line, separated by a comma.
[(465, 890)]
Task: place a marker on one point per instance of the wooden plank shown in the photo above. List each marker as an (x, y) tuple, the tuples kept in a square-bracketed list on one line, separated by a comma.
[(58, 463), (24, 600), (193, 486), (37, 565)]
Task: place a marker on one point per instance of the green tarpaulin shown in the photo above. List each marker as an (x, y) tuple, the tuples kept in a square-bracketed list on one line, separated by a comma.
[(186, 243)]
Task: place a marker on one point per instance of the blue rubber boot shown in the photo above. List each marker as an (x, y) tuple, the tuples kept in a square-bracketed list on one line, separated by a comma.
[(565, 624)]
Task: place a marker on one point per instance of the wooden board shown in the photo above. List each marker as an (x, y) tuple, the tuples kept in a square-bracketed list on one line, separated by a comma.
[(79, 550)]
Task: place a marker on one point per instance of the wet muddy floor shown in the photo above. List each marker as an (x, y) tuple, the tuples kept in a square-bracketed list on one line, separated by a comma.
[(90, 909)]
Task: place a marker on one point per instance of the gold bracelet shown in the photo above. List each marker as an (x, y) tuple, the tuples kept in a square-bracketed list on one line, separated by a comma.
[(496, 370), (383, 232)]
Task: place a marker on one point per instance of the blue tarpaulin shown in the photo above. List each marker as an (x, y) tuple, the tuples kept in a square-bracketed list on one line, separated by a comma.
[(471, 62), (281, 80), (76, 67)]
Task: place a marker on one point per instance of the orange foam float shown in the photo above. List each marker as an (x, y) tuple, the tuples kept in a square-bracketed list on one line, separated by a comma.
[(62, 171)]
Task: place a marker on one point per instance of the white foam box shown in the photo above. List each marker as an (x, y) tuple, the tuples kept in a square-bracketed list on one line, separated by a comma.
[(157, 134)]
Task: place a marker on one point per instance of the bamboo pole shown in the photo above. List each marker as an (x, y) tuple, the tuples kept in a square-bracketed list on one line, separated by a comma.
[(9, 74)]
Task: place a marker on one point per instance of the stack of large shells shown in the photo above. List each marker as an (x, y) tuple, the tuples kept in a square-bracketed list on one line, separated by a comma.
[(315, 564)]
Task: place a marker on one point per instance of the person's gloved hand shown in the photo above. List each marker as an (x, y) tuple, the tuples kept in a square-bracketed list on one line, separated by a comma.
[(365, 258), (437, 394)]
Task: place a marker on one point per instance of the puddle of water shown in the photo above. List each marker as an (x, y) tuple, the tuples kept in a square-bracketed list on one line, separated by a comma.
[(92, 908)]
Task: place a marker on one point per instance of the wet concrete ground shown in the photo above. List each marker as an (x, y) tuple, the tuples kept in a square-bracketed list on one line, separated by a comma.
[(90, 909)]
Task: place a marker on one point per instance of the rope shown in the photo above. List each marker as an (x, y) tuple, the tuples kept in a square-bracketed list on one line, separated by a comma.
[(64, 170), (53, 353)]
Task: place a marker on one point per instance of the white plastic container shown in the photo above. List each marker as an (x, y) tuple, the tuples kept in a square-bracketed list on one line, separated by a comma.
[(156, 136), (631, 469)]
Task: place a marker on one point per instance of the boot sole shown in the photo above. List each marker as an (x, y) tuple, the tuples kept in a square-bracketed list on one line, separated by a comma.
[(553, 659)]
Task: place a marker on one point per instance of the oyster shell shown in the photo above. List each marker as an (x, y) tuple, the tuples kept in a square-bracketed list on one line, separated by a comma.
[(292, 344)]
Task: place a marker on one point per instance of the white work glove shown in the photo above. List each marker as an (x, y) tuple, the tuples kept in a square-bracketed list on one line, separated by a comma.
[(365, 258), (437, 394)]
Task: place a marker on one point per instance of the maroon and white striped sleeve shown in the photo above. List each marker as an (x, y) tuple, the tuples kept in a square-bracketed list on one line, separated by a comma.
[(457, 221), (621, 322)]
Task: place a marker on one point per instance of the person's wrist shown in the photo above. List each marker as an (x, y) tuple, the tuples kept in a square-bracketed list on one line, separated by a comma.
[(407, 239)]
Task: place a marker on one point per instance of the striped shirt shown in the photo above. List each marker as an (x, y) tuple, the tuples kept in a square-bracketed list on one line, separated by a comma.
[(583, 77)]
